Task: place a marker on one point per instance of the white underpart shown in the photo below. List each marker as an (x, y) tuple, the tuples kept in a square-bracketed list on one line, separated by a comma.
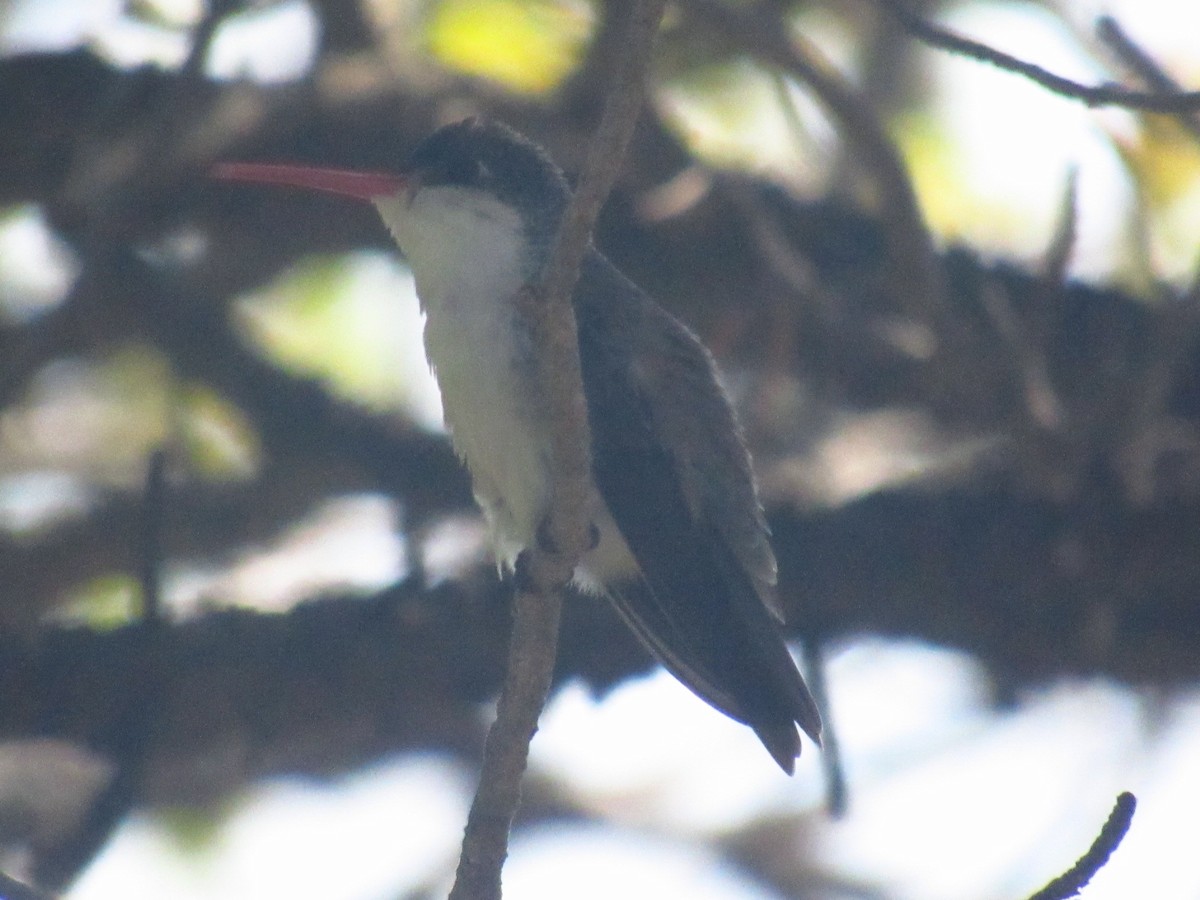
[(465, 251)]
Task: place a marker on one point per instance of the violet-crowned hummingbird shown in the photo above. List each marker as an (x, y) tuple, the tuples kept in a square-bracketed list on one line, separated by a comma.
[(476, 211)]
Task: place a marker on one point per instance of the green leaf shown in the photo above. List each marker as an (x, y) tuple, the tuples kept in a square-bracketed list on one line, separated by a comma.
[(528, 47)]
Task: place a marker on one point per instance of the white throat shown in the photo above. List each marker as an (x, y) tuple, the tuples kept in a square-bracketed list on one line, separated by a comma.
[(459, 242), (468, 257)]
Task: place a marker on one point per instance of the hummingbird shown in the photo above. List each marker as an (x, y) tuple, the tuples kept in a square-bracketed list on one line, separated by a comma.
[(476, 210)]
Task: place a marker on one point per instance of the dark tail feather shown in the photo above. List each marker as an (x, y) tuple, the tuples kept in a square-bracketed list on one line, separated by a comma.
[(783, 699), (782, 742), (758, 685), (779, 703)]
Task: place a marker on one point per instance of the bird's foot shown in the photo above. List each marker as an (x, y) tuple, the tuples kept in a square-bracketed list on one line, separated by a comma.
[(547, 544)]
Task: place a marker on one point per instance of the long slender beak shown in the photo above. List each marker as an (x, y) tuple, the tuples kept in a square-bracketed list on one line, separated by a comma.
[(360, 185)]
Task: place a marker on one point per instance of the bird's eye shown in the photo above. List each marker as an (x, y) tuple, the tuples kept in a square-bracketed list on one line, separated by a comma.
[(469, 172)]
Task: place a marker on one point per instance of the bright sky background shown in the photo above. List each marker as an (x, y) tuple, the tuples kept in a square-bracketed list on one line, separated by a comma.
[(950, 799)]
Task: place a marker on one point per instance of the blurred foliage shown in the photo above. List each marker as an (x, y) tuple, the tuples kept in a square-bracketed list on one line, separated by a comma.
[(103, 603), (218, 438), (1164, 159), (36, 267), (528, 46), (166, 13), (333, 318), (103, 417), (195, 832), (730, 113)]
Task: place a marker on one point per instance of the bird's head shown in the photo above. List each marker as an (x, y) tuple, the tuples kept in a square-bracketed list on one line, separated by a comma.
[(472, 191)]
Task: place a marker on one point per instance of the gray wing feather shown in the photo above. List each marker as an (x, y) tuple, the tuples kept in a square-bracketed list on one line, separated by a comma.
[(670, 464), (713, 464)]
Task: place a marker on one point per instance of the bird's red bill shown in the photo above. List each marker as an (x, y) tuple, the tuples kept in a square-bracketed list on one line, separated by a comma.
[(361, 185)]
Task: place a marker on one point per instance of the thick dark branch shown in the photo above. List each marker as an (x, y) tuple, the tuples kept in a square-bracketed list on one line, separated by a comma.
[(1034, 593), (324, 689)]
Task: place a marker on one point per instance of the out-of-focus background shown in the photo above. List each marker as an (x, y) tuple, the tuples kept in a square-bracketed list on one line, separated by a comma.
[(978, 447)]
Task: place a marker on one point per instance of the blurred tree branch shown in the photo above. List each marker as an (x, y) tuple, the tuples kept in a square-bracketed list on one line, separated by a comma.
[(1035, 592), (1162, 100)]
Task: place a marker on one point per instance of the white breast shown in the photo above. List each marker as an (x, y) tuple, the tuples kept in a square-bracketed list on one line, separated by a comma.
[(465, 250)]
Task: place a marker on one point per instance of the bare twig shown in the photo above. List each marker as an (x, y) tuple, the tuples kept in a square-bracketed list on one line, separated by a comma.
[(1066, 234), (11, 889), (61, 864), (557, 319), (777, 254), (202, 38), (1149, 428), (837, 793), (1075, 879), (1109, 30), (1138, 60), (153, 513), (914, 272), (543, 573), (1031, 337), (531, 656), (1092, 95), (1027, 350)]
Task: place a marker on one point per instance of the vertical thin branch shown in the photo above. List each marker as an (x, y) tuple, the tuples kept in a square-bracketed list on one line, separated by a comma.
[(202, 38), (150, 560), (544, 571), (837, 792), (554, 315), (133, 731)]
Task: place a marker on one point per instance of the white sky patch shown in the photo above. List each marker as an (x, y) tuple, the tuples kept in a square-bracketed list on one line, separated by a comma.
[(53, 25), (1168, 29), (275, 44), (890, 697), (1015, 142), (596, 863), (131, 42), (1156, 859), (380, 833), (1012, 806), (651, 752), (37, 499), (36, 268), (348, 543)]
